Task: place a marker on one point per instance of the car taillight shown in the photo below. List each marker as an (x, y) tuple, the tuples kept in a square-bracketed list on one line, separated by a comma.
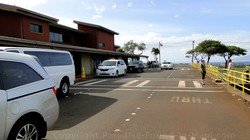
[(54, 90)]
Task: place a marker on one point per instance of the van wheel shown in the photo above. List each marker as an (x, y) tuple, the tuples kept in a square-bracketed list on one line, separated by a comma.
[(64, 88), (26, 129)]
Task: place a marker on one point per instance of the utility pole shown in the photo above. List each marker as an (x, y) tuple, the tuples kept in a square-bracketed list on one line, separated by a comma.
[(193, 53)]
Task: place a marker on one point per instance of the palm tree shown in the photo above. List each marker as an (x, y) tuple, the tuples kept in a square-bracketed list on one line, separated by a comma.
[(155, 52)]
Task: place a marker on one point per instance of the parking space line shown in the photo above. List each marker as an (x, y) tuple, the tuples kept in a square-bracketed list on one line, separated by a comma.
[(197, 84), (83, 82), (171, 74), (92, 83), (143, 83), (129, 83), (182, 84)]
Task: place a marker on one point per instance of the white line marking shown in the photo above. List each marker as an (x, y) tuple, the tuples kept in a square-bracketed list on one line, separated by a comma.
[(117, 86), (183, 138), (129, 83), (170, 74), (83, 82), (143, 83), (192, 138), (197, 84), (166, 137), (156, 90), (181, 84), (127, 120), (92, 83), (182, 69)]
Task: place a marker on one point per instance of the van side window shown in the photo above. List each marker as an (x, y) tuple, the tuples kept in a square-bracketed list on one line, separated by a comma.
[(14, 51), (58, 59), (51, 58), (15, 74), (1, 82), (42, 56)]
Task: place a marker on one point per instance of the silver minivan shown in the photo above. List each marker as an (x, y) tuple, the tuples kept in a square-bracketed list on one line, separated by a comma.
[(28, 104)]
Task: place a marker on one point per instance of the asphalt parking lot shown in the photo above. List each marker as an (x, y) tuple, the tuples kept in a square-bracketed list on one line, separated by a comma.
[(154, 105)]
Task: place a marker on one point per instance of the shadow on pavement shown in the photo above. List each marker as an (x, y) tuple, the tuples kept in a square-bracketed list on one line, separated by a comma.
[(77, 108)]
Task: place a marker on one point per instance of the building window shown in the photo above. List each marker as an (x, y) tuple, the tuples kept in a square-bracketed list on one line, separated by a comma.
[(101, 45), (36, 28), (55, 37)]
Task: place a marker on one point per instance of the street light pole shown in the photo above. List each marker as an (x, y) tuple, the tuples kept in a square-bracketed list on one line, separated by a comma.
[(193, 53)]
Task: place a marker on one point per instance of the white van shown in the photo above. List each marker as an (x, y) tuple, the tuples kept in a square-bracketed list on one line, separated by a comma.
[(58, 64), (28, 105)]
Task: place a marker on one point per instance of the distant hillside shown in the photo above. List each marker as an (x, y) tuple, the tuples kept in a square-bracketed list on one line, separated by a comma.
[(242, 58)]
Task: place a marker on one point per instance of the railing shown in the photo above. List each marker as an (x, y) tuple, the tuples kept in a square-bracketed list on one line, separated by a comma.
[(237, 77)]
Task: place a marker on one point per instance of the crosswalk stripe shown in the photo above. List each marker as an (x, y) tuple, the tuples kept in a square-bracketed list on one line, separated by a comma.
[(183, 138), (129, 83), (166, 137), (197, 84), (92, 83), (182, 84), (143, 83)]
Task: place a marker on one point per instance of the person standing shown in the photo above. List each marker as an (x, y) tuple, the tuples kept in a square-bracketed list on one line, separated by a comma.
[(203, 72), (230, 64)]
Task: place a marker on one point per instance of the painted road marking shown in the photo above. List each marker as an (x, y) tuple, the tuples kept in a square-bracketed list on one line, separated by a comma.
[(171, 74), (194, 100), (83, 82), (92, 83), (156, 90), (172, 137), (182, 84), (197, 84), (129, 83), (143, 83)]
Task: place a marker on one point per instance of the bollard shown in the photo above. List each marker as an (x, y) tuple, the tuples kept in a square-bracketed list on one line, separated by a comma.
[(83, 73)]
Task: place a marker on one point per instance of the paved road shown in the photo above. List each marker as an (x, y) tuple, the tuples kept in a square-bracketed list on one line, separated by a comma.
[(154, 105)]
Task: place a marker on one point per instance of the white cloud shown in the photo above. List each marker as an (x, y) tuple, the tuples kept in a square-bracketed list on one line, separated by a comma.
[(97, 16), (130, 4), (67, 22), (176, 16), (150, 25), (152, 2), (24, 3), (114, 6), (99, 10)]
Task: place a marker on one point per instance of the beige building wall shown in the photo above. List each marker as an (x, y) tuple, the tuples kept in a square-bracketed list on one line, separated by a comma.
[(87, 63)]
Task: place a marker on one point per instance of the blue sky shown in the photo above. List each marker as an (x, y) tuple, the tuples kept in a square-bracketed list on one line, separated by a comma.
[(175, 23)]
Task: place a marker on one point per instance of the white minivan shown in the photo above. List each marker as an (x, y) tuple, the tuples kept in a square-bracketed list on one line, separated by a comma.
[(28, 104), (112, 67), (58, 64)]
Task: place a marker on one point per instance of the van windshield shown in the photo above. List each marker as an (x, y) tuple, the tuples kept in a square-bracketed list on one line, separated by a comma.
[(108, 63)]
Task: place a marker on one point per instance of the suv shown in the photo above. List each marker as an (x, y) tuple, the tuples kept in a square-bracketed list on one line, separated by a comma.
[(136, 65), (112, 67), (58, 64), (28, 104)]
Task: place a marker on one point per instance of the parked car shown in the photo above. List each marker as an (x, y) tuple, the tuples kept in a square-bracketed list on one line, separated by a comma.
[(136, 65), (112, 67), (58, 64), (153, 64), (28, 105), (167, 65)]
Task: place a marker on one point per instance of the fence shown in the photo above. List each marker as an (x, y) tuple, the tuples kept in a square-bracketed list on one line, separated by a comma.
[(237, 77)]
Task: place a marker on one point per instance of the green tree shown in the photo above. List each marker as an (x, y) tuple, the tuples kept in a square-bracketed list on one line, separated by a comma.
[(131, 46), (197, 55), (231, 51), (155, 52), (120, 50), (210, 48)]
